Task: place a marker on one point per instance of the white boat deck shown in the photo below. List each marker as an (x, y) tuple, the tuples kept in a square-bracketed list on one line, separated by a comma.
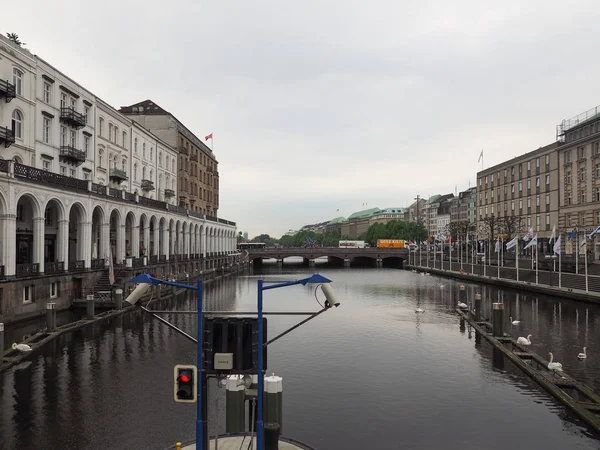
[(236, 442)]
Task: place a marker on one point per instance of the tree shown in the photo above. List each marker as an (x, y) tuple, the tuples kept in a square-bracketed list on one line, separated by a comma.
[(266, 239), (511, 225), (240, 237), (460, 229), (14, 37), (490, 226)]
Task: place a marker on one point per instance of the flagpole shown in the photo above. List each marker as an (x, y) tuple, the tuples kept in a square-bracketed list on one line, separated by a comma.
[(450, 253), (559, 264), (577, 252), (587, 287), (517, 257), (536, 261), (428, 252), (498, 257), (460, 255)]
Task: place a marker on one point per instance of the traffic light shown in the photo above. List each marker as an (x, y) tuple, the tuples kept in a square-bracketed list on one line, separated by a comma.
[(185, 380)]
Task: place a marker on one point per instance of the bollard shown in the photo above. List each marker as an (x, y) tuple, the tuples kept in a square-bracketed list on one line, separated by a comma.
[(90, 306), (462, 294), (477, 307), (272, 431), (159, 292), (273, 400), (235, 407), (1, 344), (178, 446), (51, 316), (462, 324), (118, 299), (498, 319)]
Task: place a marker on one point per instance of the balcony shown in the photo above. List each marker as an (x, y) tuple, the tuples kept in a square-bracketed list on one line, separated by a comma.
[(117, 175), (147, 185), (71, 117), (71, 155), (169, 193), (7, 91), (7, 138)]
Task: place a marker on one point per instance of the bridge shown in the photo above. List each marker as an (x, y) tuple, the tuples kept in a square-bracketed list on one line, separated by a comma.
[(335, 255)]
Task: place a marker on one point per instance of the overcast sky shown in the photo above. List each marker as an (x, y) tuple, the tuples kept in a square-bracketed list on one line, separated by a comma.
[(323, 105)]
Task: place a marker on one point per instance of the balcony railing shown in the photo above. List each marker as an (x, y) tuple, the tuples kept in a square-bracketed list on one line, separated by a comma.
[(98, 263), (77, 265), (71, 117), (7, 90), (71, 154), (43, 176), (169, 193), (54, 267), (162, 258), (27, 270), (117, 175), (1, 272), (153, 259), (147, 185), (7, 137)]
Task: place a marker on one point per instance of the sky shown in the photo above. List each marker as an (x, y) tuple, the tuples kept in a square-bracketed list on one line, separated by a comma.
[(320, 106)]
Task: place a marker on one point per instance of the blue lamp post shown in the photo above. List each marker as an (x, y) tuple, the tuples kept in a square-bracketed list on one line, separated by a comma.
[(201, 424)]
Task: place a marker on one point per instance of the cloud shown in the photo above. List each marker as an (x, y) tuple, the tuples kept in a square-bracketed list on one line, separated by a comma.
[(321, 105)]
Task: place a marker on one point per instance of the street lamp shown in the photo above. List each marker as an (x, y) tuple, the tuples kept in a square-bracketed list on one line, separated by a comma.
[(145, 279)]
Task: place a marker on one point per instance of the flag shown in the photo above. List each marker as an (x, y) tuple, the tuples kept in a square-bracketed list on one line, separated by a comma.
[(449, 239), (584, 241), (512, 243), (532, 242), (528, 235), (595, 232), (557, 245), (111, 269), (497, 246), (480, 156), (553, 235), (572, 234), (207, 137)]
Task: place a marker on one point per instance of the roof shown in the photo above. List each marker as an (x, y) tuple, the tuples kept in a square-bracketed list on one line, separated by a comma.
[(337, 220), (364, 214), (433, 199), (518, 159), (395, 210)]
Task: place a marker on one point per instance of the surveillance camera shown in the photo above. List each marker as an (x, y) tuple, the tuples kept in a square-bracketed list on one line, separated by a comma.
[(330, 301)]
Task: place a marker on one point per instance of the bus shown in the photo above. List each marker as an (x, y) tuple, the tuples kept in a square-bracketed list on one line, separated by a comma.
[(353, 244), (251, 245)]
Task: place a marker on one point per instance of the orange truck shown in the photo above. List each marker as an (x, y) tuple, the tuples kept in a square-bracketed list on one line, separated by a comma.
[(391, 243)]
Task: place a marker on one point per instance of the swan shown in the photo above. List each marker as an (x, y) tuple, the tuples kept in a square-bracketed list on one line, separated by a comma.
[(428, 274), (21, 347), (515, 322), (462, 305), (524, 341), (442, 286), (419, 310), (554, 365), (582, 355)]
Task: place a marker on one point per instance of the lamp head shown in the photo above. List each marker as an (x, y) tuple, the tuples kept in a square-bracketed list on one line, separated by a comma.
[(315, 278), (331, 300)]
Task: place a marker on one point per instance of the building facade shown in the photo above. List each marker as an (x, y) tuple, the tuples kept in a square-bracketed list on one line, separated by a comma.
[(197, 166), (525, 187), (63, 214), (579, 191)]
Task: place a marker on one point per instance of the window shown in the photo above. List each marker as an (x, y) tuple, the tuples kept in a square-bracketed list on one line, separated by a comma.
[(28, 294), (537, 181), (567, 157), (73, 138), (512, 186), (144, 173), (492, 209), (17, 124), (529, 202), (582, 220), (492, 179), (547, 179), (100, 155), (529, 221), (504, 185), (173, 165), (520, 186), (72, 173), (537, 200), (151, 153), (582, 174), (537, 222), (486, 210), (528, 183), (537, 165), (46, 165), (135, 146), (110, 131), (580, 152), (568, 177), (63, 100), (63, 135), (86, 175), (54, 289), (63, 170), (582, 194), (598, 194), (547, 220), (569, 198), (100, 126), (124, 139), (528, 165), (547, 159), (547, 199), (86, 144), (520, 204), (135, 172), (569, 221), (505, 207), (144, 150), (512, 206), (597, 216), (47, 92), (18, 81), (160, 159), (86, 113), (46, 127)]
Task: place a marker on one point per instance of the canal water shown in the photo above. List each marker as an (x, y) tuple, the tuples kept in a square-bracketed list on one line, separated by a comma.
[(370, 374)]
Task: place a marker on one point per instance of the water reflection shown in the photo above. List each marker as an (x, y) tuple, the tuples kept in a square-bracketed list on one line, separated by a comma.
[(110, 385)]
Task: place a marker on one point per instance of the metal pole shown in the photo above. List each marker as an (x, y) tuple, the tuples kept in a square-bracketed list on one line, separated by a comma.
[(559, 260), (498, 319), (536, 263), (460, 255), (498, 257), (450, 253), (1, 344), (517, 257), (577, 252), (260, 394), (201, 434), (477, 307), (587, 287)]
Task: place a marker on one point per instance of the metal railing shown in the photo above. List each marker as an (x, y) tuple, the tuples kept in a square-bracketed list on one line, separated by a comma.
[(27, 270), (70, 152), (169, 193), (42, 176), (77, 265), (54, 267), (70, 115), (7, 137), (147, 185), (118, 173), (99, 263), (7, 90)]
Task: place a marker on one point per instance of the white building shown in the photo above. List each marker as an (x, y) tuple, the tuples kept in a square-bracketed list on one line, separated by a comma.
[(67, 199)]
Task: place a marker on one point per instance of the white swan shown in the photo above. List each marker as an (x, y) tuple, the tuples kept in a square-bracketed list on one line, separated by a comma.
[(515, 322), (428, 274), (554, 365), (419, 310), (582, 355), (462, 305), (21, 347), (422, 274), (442, 286), (524, 341)]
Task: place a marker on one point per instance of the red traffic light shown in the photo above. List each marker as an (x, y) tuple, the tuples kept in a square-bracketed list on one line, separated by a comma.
[(184, 378)]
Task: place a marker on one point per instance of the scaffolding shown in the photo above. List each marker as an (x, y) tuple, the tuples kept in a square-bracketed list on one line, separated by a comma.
[(577, 121)]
